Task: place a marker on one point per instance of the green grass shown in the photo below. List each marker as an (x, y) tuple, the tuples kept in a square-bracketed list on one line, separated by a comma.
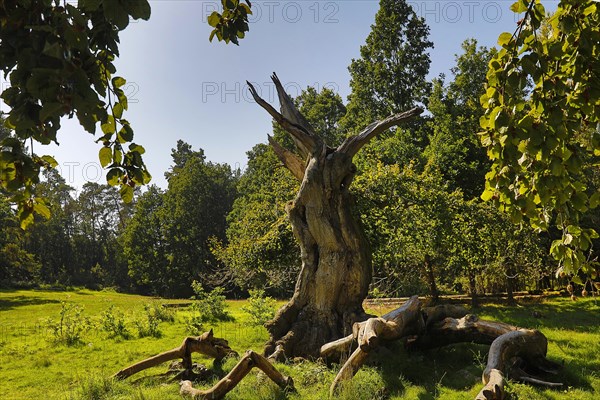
[(32, 366)]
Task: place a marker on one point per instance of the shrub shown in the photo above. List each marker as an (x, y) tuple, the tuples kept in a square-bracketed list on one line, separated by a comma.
[(147, 325), (162, 313), (112, 322), (210, 305), (194, 324), (72, 325), (261, 308)]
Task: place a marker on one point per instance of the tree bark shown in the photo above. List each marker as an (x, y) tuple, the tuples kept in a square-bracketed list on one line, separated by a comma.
[(473, 290), (430, 274), (336, 259)]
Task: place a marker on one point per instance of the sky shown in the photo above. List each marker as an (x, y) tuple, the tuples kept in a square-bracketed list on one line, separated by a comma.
[(181, 86)]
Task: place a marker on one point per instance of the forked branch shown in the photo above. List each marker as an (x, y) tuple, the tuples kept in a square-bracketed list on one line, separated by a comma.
[(304, 139), (353, 144), (514, 352), (205, 344), (249, 361)]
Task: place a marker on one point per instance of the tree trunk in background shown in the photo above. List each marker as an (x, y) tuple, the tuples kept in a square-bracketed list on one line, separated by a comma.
[(336, 259), (510, 281), (429, 273), (473, 290)]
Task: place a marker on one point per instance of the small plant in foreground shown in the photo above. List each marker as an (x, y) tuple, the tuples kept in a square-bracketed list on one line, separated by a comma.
[(147, 325), (193, 324), (210, 305), (113, 323), (72, 325), (162, 313), (261, 308)]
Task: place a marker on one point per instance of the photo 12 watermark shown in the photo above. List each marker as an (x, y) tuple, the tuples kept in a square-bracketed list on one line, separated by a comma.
[(293, 12), (455, 12), (237, 92)]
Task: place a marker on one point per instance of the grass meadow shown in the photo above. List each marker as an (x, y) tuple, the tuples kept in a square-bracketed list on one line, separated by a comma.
[(33, 365)]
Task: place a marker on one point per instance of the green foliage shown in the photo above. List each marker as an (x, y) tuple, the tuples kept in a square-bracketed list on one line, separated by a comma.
[(112, 322), (541, 124), (408, 218), (455, 112), (60, 62), (261, 307), (147, 324), (232, 23), (167, 242), (162, 312), (390, 76), (71, 326), (210, 306), (194, 323)]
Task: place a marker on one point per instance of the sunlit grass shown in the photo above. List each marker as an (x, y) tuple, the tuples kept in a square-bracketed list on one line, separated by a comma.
[(32, 366)]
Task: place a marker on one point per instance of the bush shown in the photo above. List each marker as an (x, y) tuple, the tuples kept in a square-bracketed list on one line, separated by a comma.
[(210, 305), (162, 313), (261, 308), (112, 322), (72, 325), (147, 325), (194, 324)]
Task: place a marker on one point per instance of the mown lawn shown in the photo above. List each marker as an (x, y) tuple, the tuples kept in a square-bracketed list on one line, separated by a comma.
[(33, 366)]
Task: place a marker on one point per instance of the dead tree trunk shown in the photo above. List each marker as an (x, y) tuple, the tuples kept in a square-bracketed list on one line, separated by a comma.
[(336, 259)]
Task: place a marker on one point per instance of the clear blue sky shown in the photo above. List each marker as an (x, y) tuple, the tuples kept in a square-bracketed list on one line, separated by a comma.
[(181, 86)]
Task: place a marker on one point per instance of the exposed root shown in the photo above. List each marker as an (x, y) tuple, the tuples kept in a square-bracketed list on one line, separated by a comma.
[(243, 367)]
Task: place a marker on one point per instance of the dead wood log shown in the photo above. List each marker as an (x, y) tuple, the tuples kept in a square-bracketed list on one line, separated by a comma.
[(342, 348), (508, 354), (243, 367), (205, 344), (514, 353), (404, 321)]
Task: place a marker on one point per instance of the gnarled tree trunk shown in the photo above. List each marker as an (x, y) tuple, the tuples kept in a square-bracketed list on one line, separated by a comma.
[(336, 259)]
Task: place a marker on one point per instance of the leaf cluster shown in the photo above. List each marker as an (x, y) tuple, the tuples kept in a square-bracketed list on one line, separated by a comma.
[(59, 61), (542, 113), (232, 24)]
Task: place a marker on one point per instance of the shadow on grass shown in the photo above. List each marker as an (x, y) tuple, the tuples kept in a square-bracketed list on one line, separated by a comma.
[(10, 303)]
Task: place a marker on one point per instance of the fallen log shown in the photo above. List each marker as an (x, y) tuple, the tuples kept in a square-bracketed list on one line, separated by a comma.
[(205, 344), (514, 353), (243, 367), (404, 321), (508, 354)]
